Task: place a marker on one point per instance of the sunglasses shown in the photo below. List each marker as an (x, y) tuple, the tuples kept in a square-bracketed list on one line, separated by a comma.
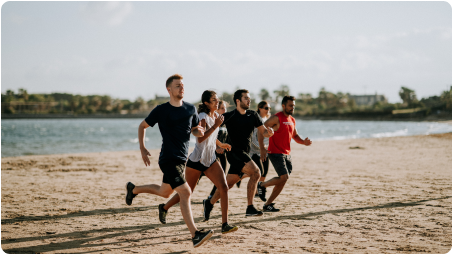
[(266, 108)]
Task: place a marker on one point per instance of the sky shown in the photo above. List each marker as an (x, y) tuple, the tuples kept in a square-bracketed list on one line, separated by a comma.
[(129, 49)]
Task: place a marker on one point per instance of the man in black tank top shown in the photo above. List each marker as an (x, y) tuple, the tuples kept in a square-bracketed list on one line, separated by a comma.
[(240, 124)]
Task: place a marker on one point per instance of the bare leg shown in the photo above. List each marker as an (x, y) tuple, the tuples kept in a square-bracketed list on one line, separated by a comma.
[(217, 176), (186, 211), (163, 190), (192, 176), (252, 170), (231, 179), (278, 183)]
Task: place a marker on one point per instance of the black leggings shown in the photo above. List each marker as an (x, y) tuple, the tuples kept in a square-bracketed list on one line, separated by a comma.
[(263, 166)]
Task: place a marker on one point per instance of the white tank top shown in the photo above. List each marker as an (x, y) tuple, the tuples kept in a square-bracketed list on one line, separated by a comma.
[(205, 151)]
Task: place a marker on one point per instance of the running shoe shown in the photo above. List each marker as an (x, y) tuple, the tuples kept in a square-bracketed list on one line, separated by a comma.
[(228, 229), (130, 195), (207, 208), (261, 192), (270, 208), (209, 198), (251, 211), (201, 236), (162, 214)]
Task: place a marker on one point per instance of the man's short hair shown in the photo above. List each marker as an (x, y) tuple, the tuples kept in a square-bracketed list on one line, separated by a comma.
[(288, 98), (238, 94), (171, 78)]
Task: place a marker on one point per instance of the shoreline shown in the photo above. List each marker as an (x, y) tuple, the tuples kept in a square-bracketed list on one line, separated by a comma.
[(191, 148)]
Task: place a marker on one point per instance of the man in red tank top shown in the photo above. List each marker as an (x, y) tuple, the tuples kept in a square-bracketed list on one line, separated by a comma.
[(284, 126)]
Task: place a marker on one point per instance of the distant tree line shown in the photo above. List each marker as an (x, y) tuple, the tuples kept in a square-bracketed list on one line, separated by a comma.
[(22, 102), (326, 103), (334, 104)]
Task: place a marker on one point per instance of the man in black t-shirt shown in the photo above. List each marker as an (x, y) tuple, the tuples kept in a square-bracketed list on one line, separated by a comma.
[(240, 124), (176, 120)]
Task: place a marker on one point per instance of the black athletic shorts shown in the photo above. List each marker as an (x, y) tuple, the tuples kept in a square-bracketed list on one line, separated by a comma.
[(262, 165), (198, 166), (282, 163), (173, 172), (237, 161)]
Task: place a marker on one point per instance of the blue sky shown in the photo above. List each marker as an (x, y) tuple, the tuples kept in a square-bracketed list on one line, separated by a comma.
[(128, 49)]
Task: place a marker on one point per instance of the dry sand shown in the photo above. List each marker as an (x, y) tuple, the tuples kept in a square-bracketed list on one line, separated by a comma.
[(383, 195)]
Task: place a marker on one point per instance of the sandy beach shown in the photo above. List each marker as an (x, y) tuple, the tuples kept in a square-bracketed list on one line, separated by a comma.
[(381, 195)]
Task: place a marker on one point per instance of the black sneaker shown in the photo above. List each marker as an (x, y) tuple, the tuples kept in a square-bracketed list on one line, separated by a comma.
[(201, 237), (261, 192), (207, 208), (238, 184), (251, 211), (228, 229), (270, 208), (162, 214), (209, 198), (130, 195)]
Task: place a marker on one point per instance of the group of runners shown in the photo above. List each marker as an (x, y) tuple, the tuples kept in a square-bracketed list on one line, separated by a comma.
[(247, 139)]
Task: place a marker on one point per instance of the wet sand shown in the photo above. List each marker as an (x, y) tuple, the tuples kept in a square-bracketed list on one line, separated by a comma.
[(382, 195)]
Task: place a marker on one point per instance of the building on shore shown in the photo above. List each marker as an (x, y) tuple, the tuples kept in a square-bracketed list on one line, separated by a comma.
[(368, 99)]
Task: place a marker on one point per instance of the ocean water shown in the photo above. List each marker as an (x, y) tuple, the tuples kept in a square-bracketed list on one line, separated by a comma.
[(58, 136)]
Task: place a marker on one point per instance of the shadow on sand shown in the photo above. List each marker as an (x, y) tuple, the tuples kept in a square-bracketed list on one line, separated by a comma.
[(83, 237)]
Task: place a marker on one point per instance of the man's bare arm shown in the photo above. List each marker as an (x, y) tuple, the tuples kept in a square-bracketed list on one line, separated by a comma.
[(299, 140), (272, 122), (141, 141), (263, 150)]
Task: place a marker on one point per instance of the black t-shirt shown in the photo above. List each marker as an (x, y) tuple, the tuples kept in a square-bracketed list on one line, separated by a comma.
[(240, 128), (175, 125)]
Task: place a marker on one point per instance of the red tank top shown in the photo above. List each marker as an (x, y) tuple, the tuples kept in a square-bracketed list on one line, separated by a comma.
[(279, 143)]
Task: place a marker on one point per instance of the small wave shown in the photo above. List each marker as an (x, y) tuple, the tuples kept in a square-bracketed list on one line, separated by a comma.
[(402, 132), (433, 129), (135, 140)]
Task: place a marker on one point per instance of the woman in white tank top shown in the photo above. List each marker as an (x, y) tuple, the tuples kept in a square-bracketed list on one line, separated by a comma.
[(203, 158)]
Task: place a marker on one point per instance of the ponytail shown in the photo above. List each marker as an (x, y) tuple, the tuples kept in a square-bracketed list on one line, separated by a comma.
[(205, 97)]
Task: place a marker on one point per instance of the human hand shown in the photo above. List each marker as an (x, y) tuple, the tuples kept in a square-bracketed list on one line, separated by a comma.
[(307, 141), (225, 146), (270, 131), (218, 120), (145, 154), (199, 130)]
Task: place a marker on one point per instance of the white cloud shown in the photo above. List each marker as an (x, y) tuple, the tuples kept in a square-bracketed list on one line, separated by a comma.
[(107, 13)]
